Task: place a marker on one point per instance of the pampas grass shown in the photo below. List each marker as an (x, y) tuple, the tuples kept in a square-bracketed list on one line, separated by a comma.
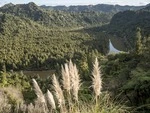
[(66, 78), (71, 79), (71, 84), (75, 83), (40, 96), (71, 72), (75, 80), (96, 79), (59, 94), (38, 92), (50, 99)]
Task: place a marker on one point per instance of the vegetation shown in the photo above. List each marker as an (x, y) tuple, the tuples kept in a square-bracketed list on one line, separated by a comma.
[(56, 19), (67, 99), (124, 25), (129, 73), (33, 38), (29, 45)]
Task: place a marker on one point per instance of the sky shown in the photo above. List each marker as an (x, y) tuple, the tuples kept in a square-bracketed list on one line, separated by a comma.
[(77, 2)]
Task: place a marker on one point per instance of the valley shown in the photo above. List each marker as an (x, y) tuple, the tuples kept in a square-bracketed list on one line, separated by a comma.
[(56, 42)]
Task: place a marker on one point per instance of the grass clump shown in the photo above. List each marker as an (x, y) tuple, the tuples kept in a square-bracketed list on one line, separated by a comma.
[(65, 96)]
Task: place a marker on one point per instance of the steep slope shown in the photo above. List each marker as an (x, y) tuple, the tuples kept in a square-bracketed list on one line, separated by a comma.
[(56, 18), (29, 45), (30, 10), (124, 25), (147, 8)]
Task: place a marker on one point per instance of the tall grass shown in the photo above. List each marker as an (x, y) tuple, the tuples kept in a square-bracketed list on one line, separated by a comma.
[(65, 98), (75, 81), (96, 79), (66, 78), (50, 100), (59, 94), (41, 101)]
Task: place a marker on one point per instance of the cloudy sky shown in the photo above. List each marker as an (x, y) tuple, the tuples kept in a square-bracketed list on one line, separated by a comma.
[(77, 2)]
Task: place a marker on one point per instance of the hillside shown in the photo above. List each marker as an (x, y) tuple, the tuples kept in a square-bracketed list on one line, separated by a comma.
[(124, 25), (53, 36), (56, 19), (29, 44)]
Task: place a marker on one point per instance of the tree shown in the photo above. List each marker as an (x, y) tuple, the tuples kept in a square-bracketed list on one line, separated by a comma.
[(139, 41)]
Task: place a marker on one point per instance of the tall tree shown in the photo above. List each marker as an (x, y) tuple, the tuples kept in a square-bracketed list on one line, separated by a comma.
[(139, 41)]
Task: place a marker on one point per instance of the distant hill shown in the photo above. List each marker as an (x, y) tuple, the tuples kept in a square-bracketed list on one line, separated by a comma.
[(56, 18), (147, 8), (99, 7), (124, 24)]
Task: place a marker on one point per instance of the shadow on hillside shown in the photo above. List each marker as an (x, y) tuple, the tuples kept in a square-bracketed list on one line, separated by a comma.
[(100, 39)]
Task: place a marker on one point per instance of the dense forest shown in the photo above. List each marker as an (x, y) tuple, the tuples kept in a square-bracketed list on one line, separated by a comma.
[(56, 18), (125, 24), (74, 41)]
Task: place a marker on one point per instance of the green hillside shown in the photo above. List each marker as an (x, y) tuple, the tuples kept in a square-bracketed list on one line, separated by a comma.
[(56, 35), (29, 44), (124, 25), (56, 19)]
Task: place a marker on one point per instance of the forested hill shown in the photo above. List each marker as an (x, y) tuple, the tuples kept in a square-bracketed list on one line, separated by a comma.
[(99, 7), (50, 36), (30, 45), (56, 18), (147, 8), (33, 38), (124, 25)]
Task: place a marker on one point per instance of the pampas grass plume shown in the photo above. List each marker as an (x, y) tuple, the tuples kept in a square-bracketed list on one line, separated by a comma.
[(58, 92), (76, 83), (66, 78), (50, 99), (96, 78), (38, 91)]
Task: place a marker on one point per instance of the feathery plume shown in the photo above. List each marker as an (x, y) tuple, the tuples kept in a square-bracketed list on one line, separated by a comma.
[(58, 92), (96, 78), (38, 92), (66, 78), (75, 79), (75, 83), (50, 99), (71, 72)]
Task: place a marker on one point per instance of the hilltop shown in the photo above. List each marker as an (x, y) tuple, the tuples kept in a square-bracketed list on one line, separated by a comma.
[(56, 18), (105, 8), (124, 25)]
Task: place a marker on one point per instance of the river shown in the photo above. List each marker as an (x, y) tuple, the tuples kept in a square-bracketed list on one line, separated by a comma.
[(41, 74)]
